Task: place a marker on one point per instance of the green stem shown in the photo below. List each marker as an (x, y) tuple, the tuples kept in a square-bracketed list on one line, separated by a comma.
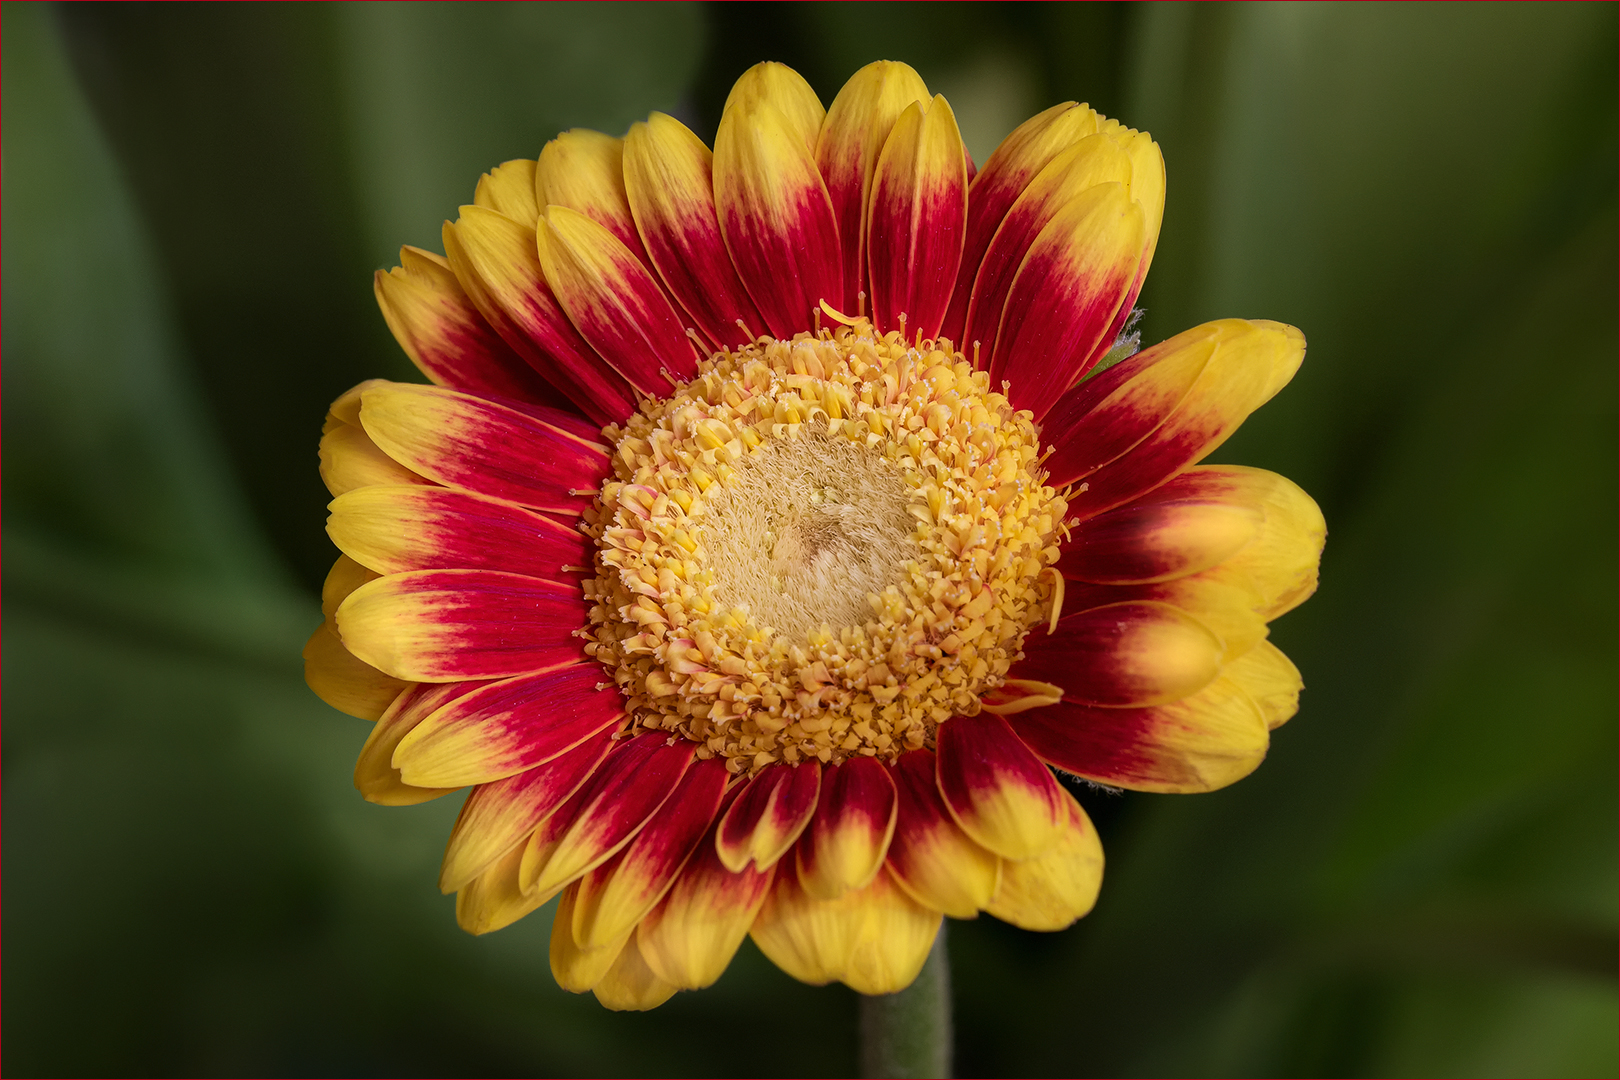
[(909, 1033)]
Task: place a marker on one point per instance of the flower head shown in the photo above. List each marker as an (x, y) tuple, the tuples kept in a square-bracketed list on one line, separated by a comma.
[(771, 531)]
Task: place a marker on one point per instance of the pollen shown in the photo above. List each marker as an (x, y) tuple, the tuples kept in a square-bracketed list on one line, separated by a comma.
[(820, 548)]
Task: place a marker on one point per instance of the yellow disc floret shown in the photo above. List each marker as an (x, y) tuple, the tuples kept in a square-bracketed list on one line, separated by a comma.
[(823, 547)]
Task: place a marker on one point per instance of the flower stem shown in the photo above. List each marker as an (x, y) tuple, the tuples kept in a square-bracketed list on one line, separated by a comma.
[(909, 1033)]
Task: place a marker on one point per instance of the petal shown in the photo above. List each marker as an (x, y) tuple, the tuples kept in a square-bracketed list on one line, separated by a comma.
[(1105, 416), (1251, 362), (931, 857), (498, 264), (769, 815), (508, 727), (350, 460), (1199, 743), (343, 680), (1065, 295), (786, 91), (1157, 538), (532, 458), (631, 985), (691, 935), (577, 969), (395, 529), (668, 176), (996, 186), (1132, 653), (1093, 160), (436, 323), (1271, 680), (1225, 605), (857, 124), (997, 791), (1147, 188), (614, 301), (1052, 890), (493, 900), (874, 939), (583, 170), (500, 815), (445, 625), (615, 896), (855, 813), (775, 216), (608, 811), (509, 189), (1282, 563), (345, 576), (915, 218), (374, 774)]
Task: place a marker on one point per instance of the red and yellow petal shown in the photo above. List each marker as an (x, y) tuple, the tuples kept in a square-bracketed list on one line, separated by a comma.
[(669, 180), (396, 529), (538, 459), (874, 940), (1093, 160), (440, 329), (844, 846), (1128, 653), (615, 896), (1200, 743), (500, 815), (784, 90), (998, 792), (996, 186), (915, 216), (1052, 890), (1164, 535), (1225, 605), (768, 817), (494, 900), (1066, 294), (1250, 362), (623, 794), (931, 857), (1281, 564), (775, 216), (852, 136), (614, 301), (509, 189), (375, 775), (497, 262), (691, 935), (508, 727), (447, 625), (583, 171)]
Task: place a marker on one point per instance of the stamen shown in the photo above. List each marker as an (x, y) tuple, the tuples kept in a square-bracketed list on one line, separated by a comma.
[(1057, 599)]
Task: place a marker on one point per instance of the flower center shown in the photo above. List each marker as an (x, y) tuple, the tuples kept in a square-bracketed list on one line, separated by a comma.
[(823, 547)]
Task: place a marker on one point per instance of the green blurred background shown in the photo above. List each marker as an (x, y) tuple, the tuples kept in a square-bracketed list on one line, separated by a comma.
[(1422, 878)]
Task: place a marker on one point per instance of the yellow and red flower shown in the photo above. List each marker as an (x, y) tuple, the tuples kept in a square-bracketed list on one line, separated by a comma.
[(771, 531)]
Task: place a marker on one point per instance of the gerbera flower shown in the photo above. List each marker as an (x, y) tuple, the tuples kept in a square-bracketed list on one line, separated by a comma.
[(771, 531)]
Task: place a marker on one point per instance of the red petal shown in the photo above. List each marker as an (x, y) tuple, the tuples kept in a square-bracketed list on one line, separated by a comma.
[(998, 792), (931, 857), (769, 815)]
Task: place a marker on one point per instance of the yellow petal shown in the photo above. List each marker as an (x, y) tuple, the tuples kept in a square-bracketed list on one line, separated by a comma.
[(509, 189), (784, 89), (630, 985), (493, 899), (1052, 890), (1271, 679), (343, 680), (350, 460), (375, 776), (584, 171), (575, 969)]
